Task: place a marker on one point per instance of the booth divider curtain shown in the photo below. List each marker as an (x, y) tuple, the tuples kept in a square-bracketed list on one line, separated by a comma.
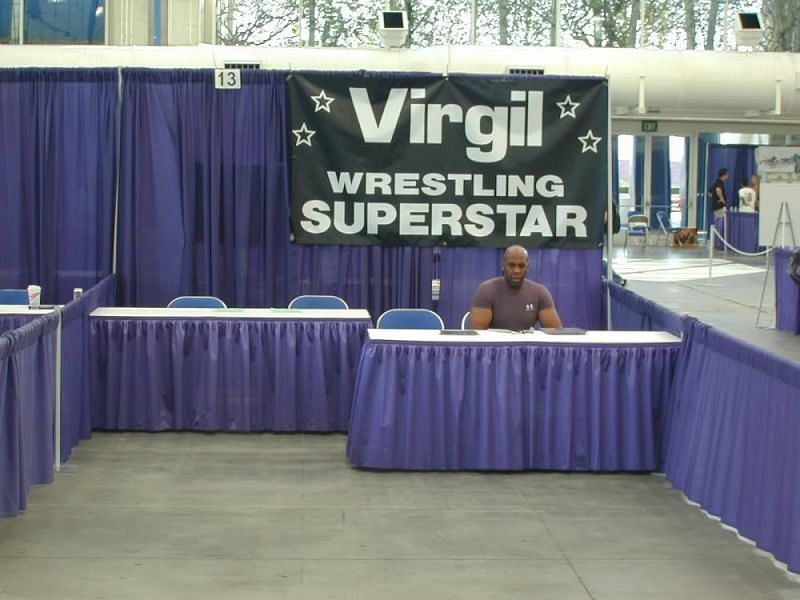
[(204, 209), (632, 312), (27, 402), (732, 443), (787, 292), (76, 409), (58, 132)]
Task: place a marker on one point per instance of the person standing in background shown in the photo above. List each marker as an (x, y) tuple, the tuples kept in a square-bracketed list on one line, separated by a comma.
[(719, 198), (747, 197)]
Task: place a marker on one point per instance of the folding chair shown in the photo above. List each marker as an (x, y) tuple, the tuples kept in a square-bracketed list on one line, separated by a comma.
[(410, 318), (666, 228), (317, 301), (196, 302), (638, 226), (13, 296)]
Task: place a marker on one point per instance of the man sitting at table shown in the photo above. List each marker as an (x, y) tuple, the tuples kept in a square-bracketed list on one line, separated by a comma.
[(511, 301)]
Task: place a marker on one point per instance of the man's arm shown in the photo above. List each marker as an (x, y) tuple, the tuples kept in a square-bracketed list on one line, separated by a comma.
[(548, 317), (718, 192), (481, 318)]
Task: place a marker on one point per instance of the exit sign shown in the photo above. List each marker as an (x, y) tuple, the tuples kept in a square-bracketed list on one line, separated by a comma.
[(649, 126)]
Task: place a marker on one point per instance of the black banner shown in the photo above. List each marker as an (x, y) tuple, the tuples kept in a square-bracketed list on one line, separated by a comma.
[(460, 161)]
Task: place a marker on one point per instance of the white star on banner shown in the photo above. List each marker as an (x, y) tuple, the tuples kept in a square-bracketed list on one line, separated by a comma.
[(567, 107), (322, 102), (304, 135), (589, 142)]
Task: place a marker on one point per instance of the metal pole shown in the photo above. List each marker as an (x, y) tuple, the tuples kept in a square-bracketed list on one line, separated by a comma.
[(725, 232), (782, 225), (116, 182), (763, 291), (692, 196), (705, 184), (647, 182), (57, 415), (711, 250), (609, 214), (778, 223)]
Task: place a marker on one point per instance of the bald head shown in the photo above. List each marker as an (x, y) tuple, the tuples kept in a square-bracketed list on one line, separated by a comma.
[(515, 265), (516, 250)]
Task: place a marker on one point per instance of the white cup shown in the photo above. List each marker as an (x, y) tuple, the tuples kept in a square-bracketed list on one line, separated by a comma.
[(34, 295)]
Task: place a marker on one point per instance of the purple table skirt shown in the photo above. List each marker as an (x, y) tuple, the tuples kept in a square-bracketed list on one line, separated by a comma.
[(787, 293), (743, 231), (510, 407), (224, 375)]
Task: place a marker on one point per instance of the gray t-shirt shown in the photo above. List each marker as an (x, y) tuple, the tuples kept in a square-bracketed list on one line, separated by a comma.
[(514, 309)]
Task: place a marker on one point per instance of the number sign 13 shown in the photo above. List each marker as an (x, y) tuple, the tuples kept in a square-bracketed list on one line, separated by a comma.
[(227, 79)]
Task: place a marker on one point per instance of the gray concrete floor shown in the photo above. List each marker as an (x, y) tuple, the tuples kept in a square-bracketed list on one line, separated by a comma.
[(211, 516)]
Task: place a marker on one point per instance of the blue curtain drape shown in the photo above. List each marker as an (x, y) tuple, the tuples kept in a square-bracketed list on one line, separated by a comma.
[(660, 179), (58, 130), (382, 278), (203, 188), (204, 209), (740, 160), (638, 172), (573, 277)]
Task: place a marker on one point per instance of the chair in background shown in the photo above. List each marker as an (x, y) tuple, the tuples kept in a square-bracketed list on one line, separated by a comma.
[(13, 296), (196, 302), (638, 226), (466, 320), (666, 228), (410, 318), (312, 301)]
